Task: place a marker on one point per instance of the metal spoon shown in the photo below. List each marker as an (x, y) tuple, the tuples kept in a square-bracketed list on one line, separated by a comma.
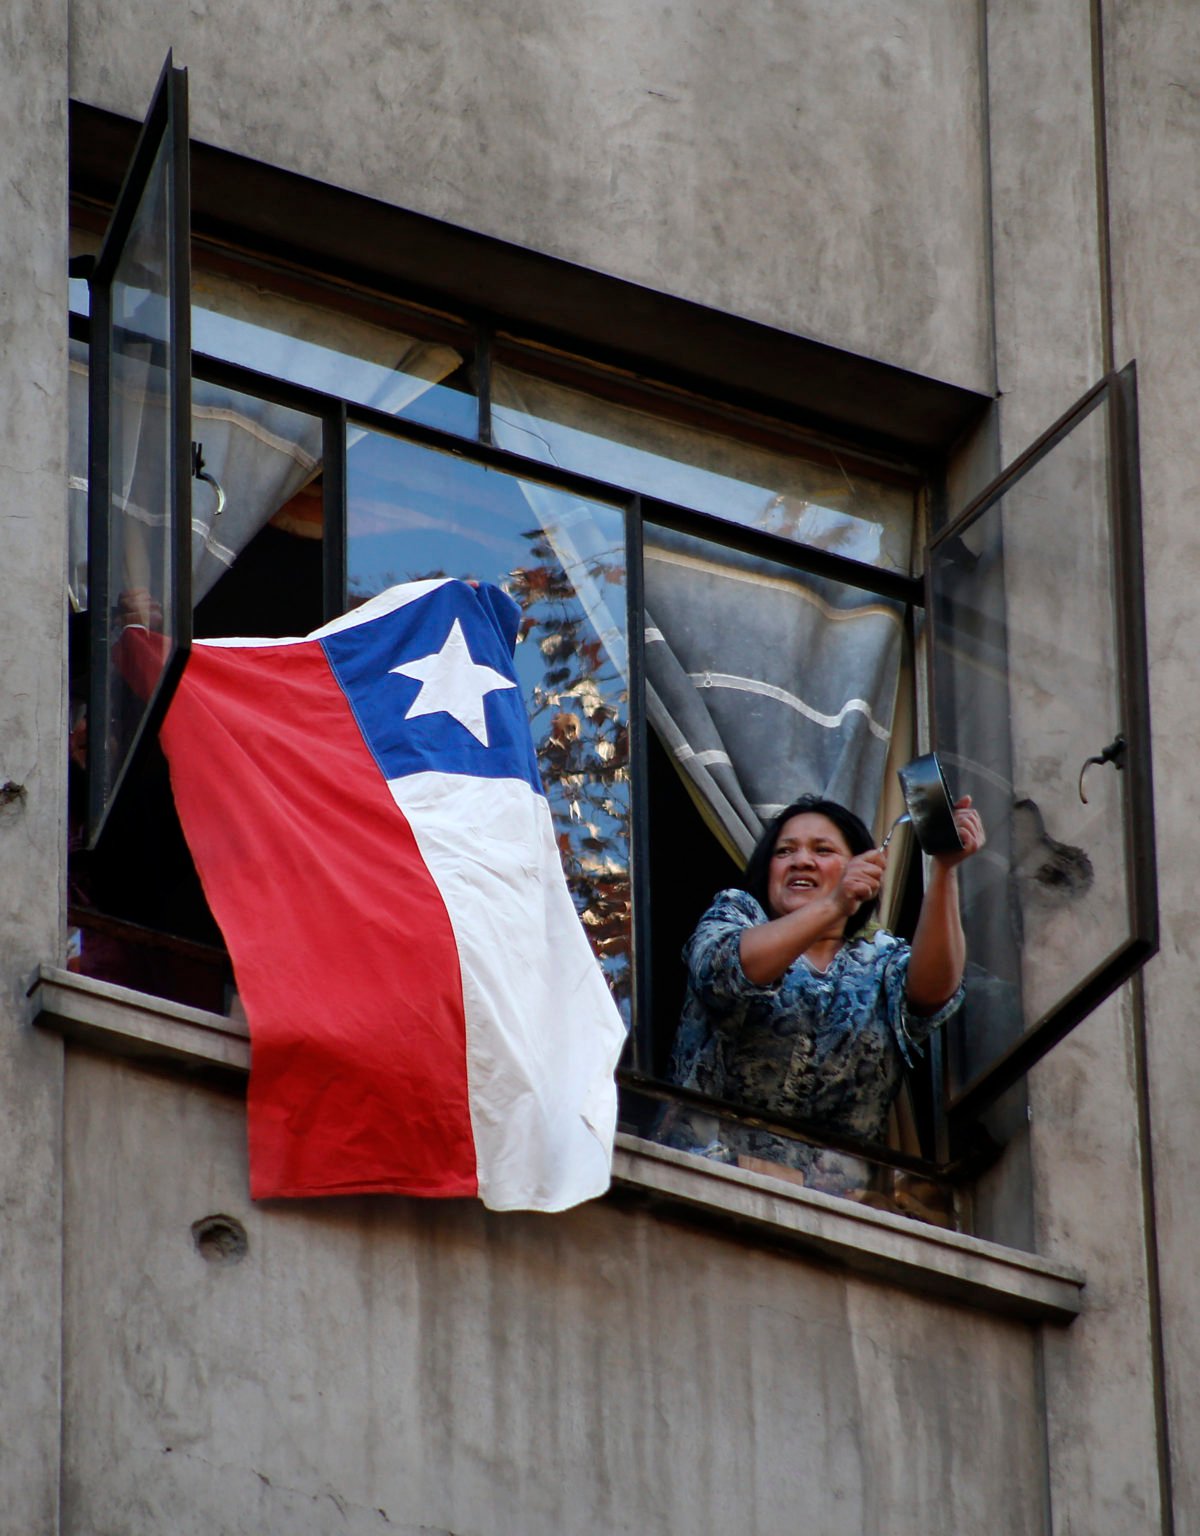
[(899, 821)]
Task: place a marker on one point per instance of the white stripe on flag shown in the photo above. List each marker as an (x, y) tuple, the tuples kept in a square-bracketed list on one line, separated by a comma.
[(543, 1033)]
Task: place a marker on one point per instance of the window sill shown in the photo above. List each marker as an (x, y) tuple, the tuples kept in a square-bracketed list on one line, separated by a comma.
[(752, 1207), (891, 1248), (134, 1024)]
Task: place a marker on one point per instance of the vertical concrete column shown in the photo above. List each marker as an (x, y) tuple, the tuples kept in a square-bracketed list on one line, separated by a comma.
[(1045, 264), (1084, 1132), (33, 427), (1153, 81)]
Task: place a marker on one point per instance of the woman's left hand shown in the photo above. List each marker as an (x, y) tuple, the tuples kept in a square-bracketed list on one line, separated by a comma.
[(939, 950), (970, 832)]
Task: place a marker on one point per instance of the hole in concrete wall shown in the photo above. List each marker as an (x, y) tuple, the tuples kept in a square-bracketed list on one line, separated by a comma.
[(12, 798), (220, 1240)]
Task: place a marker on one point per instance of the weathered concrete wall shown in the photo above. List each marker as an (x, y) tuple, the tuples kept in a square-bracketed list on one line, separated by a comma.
[(821, 168), (1154, 115), (812, 165), (1044, 228), (1084, 1145), (392, 1365), (33, 382)]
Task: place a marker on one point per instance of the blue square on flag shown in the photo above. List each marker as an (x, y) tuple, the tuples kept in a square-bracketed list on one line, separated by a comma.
[(432, 686)]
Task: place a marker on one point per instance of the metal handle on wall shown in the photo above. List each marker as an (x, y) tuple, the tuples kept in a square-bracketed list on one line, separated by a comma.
[(1114, 753)]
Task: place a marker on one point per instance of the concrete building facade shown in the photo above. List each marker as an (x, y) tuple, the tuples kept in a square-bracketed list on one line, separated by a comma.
[(923, 231)]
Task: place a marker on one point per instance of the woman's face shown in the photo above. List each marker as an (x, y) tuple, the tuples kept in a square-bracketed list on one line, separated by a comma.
[(810, 855)]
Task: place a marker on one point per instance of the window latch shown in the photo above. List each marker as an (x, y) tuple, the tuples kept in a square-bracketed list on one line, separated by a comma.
[(1114, 753), (200, 473)]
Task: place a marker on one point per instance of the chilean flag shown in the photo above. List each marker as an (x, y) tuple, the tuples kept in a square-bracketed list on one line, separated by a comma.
[(365, 812)]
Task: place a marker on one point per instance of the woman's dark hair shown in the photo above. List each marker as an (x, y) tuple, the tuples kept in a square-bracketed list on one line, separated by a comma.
[(858, 839)]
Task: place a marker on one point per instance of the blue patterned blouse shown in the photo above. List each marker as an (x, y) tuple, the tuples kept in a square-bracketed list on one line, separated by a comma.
[(827, 1047)]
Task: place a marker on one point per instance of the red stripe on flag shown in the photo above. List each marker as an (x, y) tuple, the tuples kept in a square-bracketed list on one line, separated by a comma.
[(341, 945)]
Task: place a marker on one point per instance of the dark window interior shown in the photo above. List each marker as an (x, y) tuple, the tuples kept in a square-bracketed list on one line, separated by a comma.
[(687, 867), (136, 898)]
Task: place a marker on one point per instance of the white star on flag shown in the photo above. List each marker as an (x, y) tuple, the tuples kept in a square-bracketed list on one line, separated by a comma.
[(453, 684)]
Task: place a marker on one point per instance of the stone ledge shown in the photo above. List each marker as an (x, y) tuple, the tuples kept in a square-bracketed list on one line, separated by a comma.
[(134, 1024), (892, 1248), (750, 1206)]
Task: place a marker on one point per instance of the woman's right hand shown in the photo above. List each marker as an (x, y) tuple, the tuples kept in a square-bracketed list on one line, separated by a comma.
[(861, 879)]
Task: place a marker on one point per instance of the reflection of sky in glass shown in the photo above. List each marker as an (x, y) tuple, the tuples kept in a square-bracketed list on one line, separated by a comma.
[(299, 360), (414, 512), (323, 368), (882, 540)]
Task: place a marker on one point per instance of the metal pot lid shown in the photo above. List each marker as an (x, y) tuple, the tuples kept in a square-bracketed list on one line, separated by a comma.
[(930, 806)]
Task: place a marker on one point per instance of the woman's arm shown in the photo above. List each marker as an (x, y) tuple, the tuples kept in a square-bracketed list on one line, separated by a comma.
[(939, 950), (767, 949)]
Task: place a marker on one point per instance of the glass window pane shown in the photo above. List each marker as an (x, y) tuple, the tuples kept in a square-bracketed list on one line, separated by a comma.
[(913, 1191), (329, 350), (830, 506), (763, 683), (141, 548), (414, 513), (766, 682), (81, 242), (261, 467), (77, 476), (319, 347), (1027, 687)]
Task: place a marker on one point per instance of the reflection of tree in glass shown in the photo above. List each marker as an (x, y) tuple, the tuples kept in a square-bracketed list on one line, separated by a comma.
[(578, 715), (361, 589)]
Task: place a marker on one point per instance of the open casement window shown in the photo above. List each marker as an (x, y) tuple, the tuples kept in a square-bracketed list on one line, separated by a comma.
[(1040, 713), (139, 496)]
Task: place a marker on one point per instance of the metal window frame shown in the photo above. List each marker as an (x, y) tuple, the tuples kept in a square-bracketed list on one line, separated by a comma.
[(336, 414), (166, 124), (1119, 391), (331, 411), (640, 510)]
